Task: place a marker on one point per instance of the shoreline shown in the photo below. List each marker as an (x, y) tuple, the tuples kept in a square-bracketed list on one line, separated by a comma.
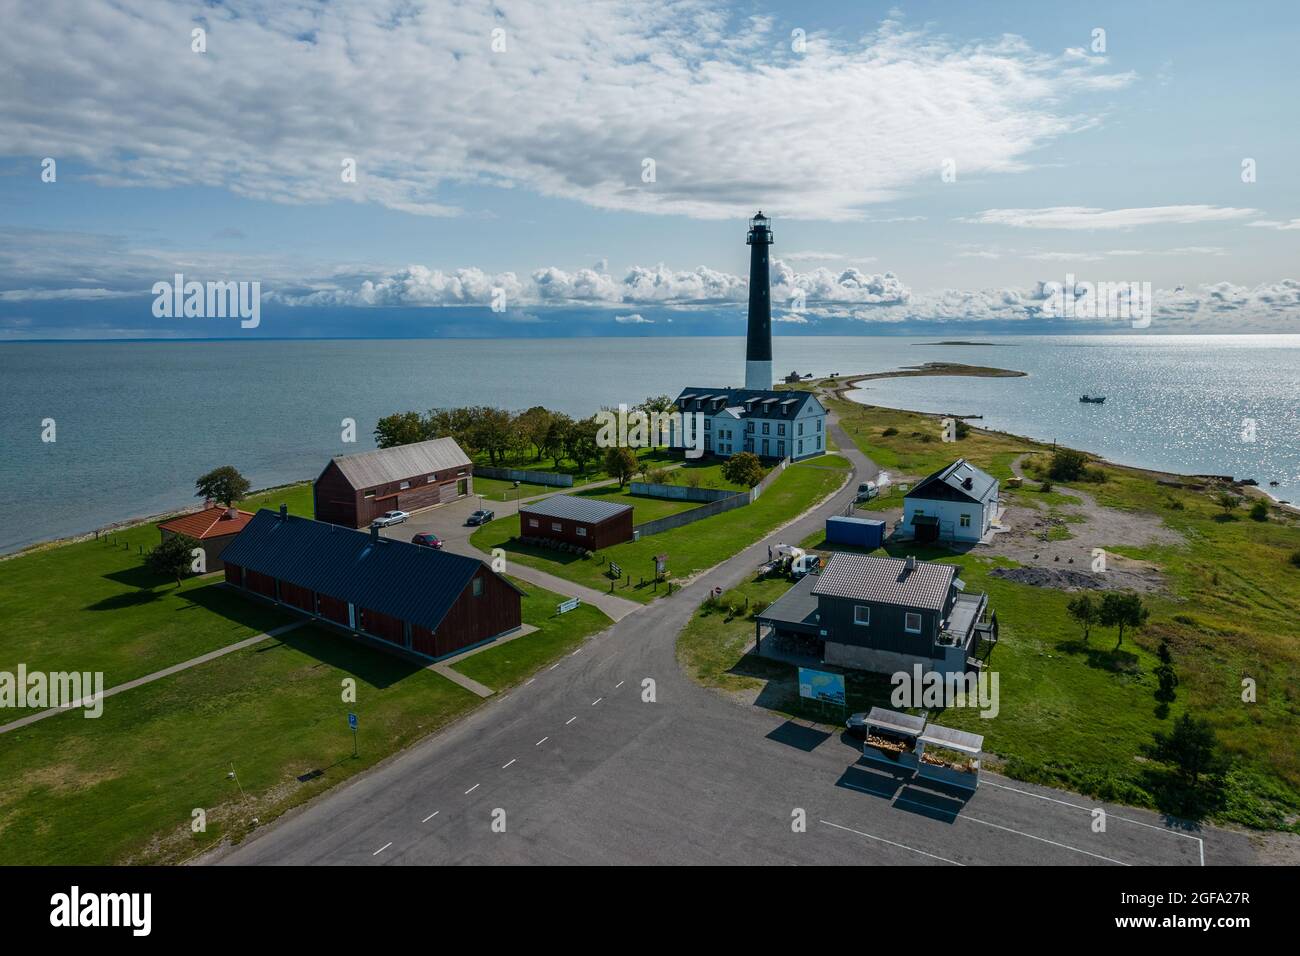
[(839, 386)]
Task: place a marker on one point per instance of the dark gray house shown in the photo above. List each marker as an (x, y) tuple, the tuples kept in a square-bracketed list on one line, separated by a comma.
[(883, 614)]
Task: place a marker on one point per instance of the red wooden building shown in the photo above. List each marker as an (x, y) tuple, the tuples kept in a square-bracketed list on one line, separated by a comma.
[(429, 602), (353, 490), (213, 528), (590, 523)]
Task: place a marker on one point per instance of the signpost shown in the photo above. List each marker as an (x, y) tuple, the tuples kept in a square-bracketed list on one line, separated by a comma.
[(352, 722), (615, 570), (822, 687), (569, 605), (661, 564)]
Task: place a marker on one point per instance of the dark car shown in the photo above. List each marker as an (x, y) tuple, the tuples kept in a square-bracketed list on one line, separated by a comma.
[(480, 517), (427, 539), (857, 724)]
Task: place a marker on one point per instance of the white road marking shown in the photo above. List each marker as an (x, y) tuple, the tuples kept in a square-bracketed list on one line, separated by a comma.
[(542, 741), (529, 681), (471, 789), (570, 720), (431, 816), (553, 666), (382, 848), (597, 701), (619, 684), (1066, 803), (576, 653), (901, 846), (512, 760)]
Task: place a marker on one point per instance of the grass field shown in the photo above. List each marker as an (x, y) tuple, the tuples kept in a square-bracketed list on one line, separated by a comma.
[(275, 710), (691, 548), (497, 489), (1079, 715)]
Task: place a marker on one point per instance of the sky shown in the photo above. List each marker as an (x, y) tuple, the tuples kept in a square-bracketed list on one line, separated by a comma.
[(543, 168)]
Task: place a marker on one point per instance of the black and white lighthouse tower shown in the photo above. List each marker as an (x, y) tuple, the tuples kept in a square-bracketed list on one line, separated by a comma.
[(758, 341)]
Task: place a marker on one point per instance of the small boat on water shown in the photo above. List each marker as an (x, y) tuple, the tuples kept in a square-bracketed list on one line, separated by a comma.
[(1092, 399)]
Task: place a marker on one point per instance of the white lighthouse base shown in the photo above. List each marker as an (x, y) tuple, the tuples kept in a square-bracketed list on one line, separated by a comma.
[(758, 375)]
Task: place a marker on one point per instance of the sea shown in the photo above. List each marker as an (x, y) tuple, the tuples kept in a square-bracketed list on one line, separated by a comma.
[(134, 423)]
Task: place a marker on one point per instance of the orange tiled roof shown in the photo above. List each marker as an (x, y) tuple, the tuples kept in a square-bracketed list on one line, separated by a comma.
[(208, 523)]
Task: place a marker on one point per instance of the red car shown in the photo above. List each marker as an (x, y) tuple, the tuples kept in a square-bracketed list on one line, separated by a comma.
[(427, 539)]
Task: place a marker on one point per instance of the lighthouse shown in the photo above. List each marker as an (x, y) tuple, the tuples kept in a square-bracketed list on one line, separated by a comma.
[(758, 341)]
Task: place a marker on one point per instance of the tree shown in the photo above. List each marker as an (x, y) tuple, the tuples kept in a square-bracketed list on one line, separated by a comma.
[(621, 463), (455, 423), (661, 405), (743, 469), (224, 484), (400, 428), (557, 437), (492, 432), (1259, 511), (1165, 676), (1121, 610), (172, 558), (532, 426), (580, 442), (1084, 610), (1067, 465), (1227, 501), (1191, 748)]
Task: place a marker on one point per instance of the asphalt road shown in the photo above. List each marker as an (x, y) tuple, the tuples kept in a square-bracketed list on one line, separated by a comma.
[(578, 766)]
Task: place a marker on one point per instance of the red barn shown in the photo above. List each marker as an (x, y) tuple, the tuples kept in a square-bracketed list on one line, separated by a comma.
[(353, 490), (590, 523), (429, 602)]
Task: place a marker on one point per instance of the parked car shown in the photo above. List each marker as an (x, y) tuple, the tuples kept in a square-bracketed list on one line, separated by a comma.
[(427, 539), (866, 491), (480, 517), (389, 517), (857, 724)]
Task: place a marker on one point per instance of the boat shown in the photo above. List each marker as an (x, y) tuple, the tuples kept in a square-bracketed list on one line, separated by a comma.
[(1092, 399)]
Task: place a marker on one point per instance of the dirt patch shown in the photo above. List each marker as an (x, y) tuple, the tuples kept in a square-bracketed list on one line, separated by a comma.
[(1063, 578)]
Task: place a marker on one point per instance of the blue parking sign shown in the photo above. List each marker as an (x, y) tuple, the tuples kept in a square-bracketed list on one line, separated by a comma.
[(352, 721)]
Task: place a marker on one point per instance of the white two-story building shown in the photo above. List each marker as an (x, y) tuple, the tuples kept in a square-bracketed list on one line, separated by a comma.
[(769, 423), (957, 503)]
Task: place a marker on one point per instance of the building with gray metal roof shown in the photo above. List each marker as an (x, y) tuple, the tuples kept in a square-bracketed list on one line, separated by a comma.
[(576, 521)]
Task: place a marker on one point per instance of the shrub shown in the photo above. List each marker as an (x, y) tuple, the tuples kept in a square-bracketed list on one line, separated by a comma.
[(1046, 485), (1067, 465), (1295, 558), (889, 432), (1259, 511)]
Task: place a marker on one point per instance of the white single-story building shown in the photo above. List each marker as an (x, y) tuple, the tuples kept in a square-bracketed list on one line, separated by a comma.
[(957, 503)]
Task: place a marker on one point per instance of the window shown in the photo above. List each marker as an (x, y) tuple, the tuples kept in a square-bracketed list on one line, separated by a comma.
[(582, 532), (819, 442), (766, 443), (912, 623), (861, 614), (965, 521), (432, 478), (478, 587), (801, 446), (370, 494), (801, 428), (780, 449), (819, 424), (403, 486), (532, 522), (555, 526), (780, 428), (708, 424), (767, 428)]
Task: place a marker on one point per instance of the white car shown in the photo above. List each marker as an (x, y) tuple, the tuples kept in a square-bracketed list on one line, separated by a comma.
[(390, 517)]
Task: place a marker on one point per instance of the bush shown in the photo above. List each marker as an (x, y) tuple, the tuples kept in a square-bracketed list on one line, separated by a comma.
[(1046, 485), (1259, 511), (1067, 465), (889, 432), (1295, 558)]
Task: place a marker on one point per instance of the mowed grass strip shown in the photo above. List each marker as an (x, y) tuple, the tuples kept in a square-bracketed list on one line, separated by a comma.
[(122, 787), (690, 549), (93, 606)]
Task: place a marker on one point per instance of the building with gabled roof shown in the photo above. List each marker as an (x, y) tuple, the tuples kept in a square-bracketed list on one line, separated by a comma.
[(213, 528), (766, 422), (959, 502), (355, 489), (590, 523), (426, 601)]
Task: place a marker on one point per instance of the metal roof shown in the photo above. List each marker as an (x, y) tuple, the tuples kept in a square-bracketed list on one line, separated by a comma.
[(593, 510), (796, 608), (367, 469), (865, 577), (892, 720), (789, 402), (958, 740), (954, 476), (393, 577)]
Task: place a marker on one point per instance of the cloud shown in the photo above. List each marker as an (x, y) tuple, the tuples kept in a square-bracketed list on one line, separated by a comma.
[(1081, 217), (1281, 225), (633, 319), (571, 108)]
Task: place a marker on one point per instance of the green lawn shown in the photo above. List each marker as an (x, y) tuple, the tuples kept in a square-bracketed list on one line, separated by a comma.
[(497, 489), (644, 508), (92, 606), (510, 663), (121, 788), (1078, 716), (690, 549)]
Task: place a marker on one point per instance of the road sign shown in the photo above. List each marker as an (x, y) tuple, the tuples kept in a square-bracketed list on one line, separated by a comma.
[(569, 605), (661, 563), (819, 685), (352, 722), (615, 570)]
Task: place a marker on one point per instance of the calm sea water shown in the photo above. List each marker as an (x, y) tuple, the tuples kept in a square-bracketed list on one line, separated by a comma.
[(138, 422)]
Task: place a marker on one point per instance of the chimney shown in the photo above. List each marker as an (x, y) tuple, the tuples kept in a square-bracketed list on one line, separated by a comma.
[(284, 512), (910, 563), (207, 503), (758, 341), (232, 512), (374, 533)]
